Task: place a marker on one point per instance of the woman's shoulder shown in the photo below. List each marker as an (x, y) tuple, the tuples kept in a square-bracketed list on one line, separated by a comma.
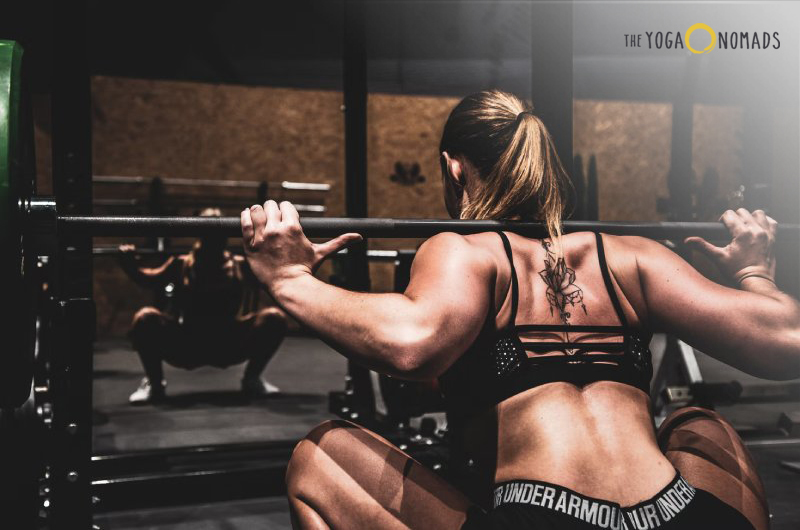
[(634, 247), (473, 250)]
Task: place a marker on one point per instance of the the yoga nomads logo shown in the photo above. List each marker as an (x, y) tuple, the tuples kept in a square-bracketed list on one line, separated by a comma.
[(722, 40)]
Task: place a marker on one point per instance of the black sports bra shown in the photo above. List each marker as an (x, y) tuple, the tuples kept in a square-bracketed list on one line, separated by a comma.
[(498, 366)]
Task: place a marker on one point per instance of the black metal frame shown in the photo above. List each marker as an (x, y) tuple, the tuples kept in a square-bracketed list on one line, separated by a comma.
[(356, 266), (71, 366)]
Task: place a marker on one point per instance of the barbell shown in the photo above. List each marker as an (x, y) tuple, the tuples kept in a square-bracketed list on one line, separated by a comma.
[(25, 218), (42, 218)]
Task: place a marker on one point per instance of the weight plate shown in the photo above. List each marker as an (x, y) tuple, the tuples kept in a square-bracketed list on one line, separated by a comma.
[(17, 185)]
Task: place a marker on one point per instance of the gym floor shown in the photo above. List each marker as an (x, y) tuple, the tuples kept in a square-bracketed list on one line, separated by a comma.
[(205, 407)]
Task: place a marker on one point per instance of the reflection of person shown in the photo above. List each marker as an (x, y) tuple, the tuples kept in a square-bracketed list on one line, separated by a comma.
[(211, 326), (541, 351)]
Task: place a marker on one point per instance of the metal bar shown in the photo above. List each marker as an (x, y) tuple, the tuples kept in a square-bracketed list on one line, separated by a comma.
[(690, 366), (71, 369), (221, 183), (117, 202), (307, 186), (310, 208), (354, 64), (373, 255), (354, 88), (389, 227)]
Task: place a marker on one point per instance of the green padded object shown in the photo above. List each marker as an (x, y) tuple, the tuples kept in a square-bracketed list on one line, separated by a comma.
[(17, 177)]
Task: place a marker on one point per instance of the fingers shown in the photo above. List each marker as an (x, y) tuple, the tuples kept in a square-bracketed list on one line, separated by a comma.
[(756, 225), (760, 218), (324, 250), (259, 218), (707, 248), (289, 215), (745, 216), (773, 225), (739, 221), (248, 230), (766, 222), (273, 214), (270, 216)]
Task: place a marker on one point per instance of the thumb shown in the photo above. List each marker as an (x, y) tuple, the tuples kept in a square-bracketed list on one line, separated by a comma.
[(323, 250), (698, 243)]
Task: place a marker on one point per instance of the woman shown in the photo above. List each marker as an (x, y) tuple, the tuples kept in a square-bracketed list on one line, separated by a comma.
[(556, 414)]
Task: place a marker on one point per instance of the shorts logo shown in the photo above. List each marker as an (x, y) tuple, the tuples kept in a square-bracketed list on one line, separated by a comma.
[(593, 512), (662, 509), (644, 516)]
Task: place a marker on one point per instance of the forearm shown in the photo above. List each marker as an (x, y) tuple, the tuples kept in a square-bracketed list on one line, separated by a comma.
[(131, 269), (377, 330), (780, 325), (758, 334)]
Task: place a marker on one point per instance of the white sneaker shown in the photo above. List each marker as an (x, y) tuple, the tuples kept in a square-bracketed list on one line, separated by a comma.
[(257, 387), (147, 393)]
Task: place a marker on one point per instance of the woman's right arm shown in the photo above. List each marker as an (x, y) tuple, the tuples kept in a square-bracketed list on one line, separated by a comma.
[(755, 328), (144, 276)]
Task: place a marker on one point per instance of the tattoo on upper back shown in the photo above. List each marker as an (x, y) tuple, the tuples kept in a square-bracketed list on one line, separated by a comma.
[(561, 288)]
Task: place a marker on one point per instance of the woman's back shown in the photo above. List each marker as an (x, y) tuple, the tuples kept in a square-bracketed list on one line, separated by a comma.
[(598, 438)]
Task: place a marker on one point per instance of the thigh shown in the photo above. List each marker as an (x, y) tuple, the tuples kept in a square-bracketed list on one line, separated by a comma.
[(151, 327), (353, 478), (263, 328), (708, 452)]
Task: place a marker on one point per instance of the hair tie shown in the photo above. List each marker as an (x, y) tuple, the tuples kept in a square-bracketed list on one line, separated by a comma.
[(521, 114)]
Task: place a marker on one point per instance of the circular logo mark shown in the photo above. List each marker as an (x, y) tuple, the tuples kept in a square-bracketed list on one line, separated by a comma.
[(710, 31)]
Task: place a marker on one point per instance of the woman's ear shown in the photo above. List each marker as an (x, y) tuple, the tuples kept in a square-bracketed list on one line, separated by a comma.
[(453, 168), (453, 177)]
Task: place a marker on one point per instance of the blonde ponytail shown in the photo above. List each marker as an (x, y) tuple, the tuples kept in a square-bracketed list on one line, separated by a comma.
[(519, 172)]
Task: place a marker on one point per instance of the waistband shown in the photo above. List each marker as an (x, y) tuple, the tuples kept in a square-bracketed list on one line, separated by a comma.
[(646, 515)]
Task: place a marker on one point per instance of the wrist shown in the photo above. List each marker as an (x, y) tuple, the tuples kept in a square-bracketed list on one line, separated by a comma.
[(282, 283), (754, 271)]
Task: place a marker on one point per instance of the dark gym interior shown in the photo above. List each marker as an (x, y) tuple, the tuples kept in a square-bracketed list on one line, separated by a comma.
[(172, 108)]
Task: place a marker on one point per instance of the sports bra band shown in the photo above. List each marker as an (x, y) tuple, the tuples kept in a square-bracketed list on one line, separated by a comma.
[(601, 255), (505, 364), (514, 284)]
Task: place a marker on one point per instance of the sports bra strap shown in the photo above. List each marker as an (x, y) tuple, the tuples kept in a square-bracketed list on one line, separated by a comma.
[(601, 256), (514, 286)]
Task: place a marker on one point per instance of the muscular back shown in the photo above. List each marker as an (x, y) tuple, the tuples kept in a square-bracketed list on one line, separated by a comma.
[(599, 439), (595, 438)]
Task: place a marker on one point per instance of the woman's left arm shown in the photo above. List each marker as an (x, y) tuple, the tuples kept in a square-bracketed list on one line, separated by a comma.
[(414, 335)]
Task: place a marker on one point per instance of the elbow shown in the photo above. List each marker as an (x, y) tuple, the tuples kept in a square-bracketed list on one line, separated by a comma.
[(787, 364), (414, 354), (782, 363)]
